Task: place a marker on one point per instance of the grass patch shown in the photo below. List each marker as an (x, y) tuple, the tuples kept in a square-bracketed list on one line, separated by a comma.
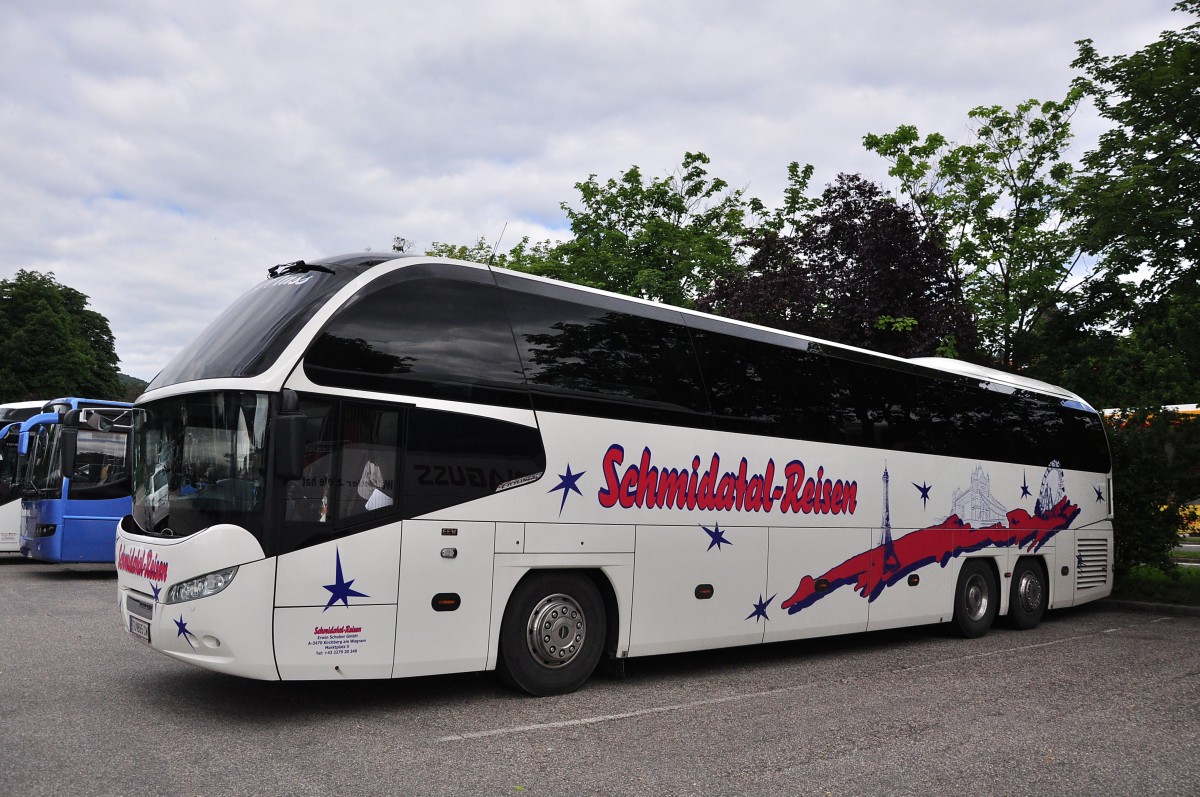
[(1185, 556), (1153, 585)]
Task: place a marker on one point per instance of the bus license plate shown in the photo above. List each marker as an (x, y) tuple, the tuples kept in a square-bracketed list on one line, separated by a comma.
[(139, 628)]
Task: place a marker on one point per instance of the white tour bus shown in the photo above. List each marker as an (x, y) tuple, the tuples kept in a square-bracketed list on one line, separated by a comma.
[(377, 466), (11, 416)]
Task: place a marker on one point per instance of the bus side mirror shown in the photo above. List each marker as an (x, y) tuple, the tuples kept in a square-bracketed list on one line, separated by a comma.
[(69, 441), (289, 438)]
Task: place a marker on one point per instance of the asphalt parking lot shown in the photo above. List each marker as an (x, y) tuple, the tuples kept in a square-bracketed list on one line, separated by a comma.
[(1096, 700)]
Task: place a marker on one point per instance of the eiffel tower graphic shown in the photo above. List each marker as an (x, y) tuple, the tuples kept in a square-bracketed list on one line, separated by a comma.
[(891, 562)]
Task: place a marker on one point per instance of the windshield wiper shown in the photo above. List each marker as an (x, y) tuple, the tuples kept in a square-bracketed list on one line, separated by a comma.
[(299, 267)]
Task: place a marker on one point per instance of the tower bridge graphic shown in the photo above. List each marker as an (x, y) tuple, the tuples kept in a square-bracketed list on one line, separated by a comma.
[(976, 505), (986, 525)]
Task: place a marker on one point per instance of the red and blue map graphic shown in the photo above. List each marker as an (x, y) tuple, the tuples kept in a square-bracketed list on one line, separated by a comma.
[(872, 571)]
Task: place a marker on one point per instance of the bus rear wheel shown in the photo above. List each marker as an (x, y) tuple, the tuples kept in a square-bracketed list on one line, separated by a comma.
[(1027, 603), (552, 634), (975, 599)]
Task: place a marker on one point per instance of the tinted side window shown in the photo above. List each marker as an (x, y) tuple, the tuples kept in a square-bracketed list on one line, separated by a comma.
[(879, 404), (969, 419), (351, 467), (947, 429), (1042, 429), (311, 499), (966, 419), (764, 387), (423, 331), (1084, 444), (594, 355), (453, 458), (369, 462)]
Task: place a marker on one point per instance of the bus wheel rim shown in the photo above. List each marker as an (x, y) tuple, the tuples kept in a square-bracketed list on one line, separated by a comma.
[(1029, 592), (975, 596), (556, 630)]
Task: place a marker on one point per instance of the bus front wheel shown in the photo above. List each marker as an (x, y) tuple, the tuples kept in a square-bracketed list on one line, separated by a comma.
[(975, 599), (552, 634)]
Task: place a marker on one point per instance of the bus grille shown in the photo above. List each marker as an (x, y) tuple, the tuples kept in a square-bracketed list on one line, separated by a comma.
[(1091, 563)]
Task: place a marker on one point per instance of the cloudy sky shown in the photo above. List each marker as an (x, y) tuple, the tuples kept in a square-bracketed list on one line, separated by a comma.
[(159, 156)]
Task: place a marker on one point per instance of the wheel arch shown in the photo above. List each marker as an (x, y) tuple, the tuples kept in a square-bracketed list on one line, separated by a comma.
[(504, 588)]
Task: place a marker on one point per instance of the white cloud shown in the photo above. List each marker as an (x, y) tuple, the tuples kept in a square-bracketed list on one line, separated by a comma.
[(159, 156)]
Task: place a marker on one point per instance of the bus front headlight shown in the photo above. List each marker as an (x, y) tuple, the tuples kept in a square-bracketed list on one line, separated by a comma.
[(201, 586)]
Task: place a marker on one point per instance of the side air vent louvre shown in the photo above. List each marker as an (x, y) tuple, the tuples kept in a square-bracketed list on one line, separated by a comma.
[(1091, 563)]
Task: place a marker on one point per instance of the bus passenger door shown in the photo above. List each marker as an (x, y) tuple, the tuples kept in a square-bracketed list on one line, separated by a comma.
[(696, 587), (445, 598), (812, 580)]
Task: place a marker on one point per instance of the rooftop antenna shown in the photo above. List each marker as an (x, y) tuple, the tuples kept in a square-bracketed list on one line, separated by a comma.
[(496, 245)]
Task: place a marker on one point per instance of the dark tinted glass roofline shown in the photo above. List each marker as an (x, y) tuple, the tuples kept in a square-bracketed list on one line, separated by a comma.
[(921, 366), (364, 261)]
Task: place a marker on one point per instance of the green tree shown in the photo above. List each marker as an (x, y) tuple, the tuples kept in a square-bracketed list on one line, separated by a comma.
[(855, 267), (1156, 469), (773, 289), (1137, 200), (544, 258), (998, 203), (54, 345), (479, 252), (668, 239)]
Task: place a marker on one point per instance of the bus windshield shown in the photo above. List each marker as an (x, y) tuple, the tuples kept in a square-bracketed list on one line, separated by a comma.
[(270, 315), (44, 471), (198, 461), (100, 470)]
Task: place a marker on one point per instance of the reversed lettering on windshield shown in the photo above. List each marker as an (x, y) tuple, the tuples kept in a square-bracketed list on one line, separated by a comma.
[(290, 279)]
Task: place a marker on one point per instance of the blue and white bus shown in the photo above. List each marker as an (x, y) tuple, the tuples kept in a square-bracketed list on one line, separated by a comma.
[(71, 515), (386, 466)]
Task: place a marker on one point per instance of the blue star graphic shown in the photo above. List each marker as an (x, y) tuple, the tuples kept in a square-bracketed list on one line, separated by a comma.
[(157, 591), (568, 483), (340, 590), (718, 537), (1099, 493), (183, 631), (760, 608), (1025, 486), (924, 489)]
